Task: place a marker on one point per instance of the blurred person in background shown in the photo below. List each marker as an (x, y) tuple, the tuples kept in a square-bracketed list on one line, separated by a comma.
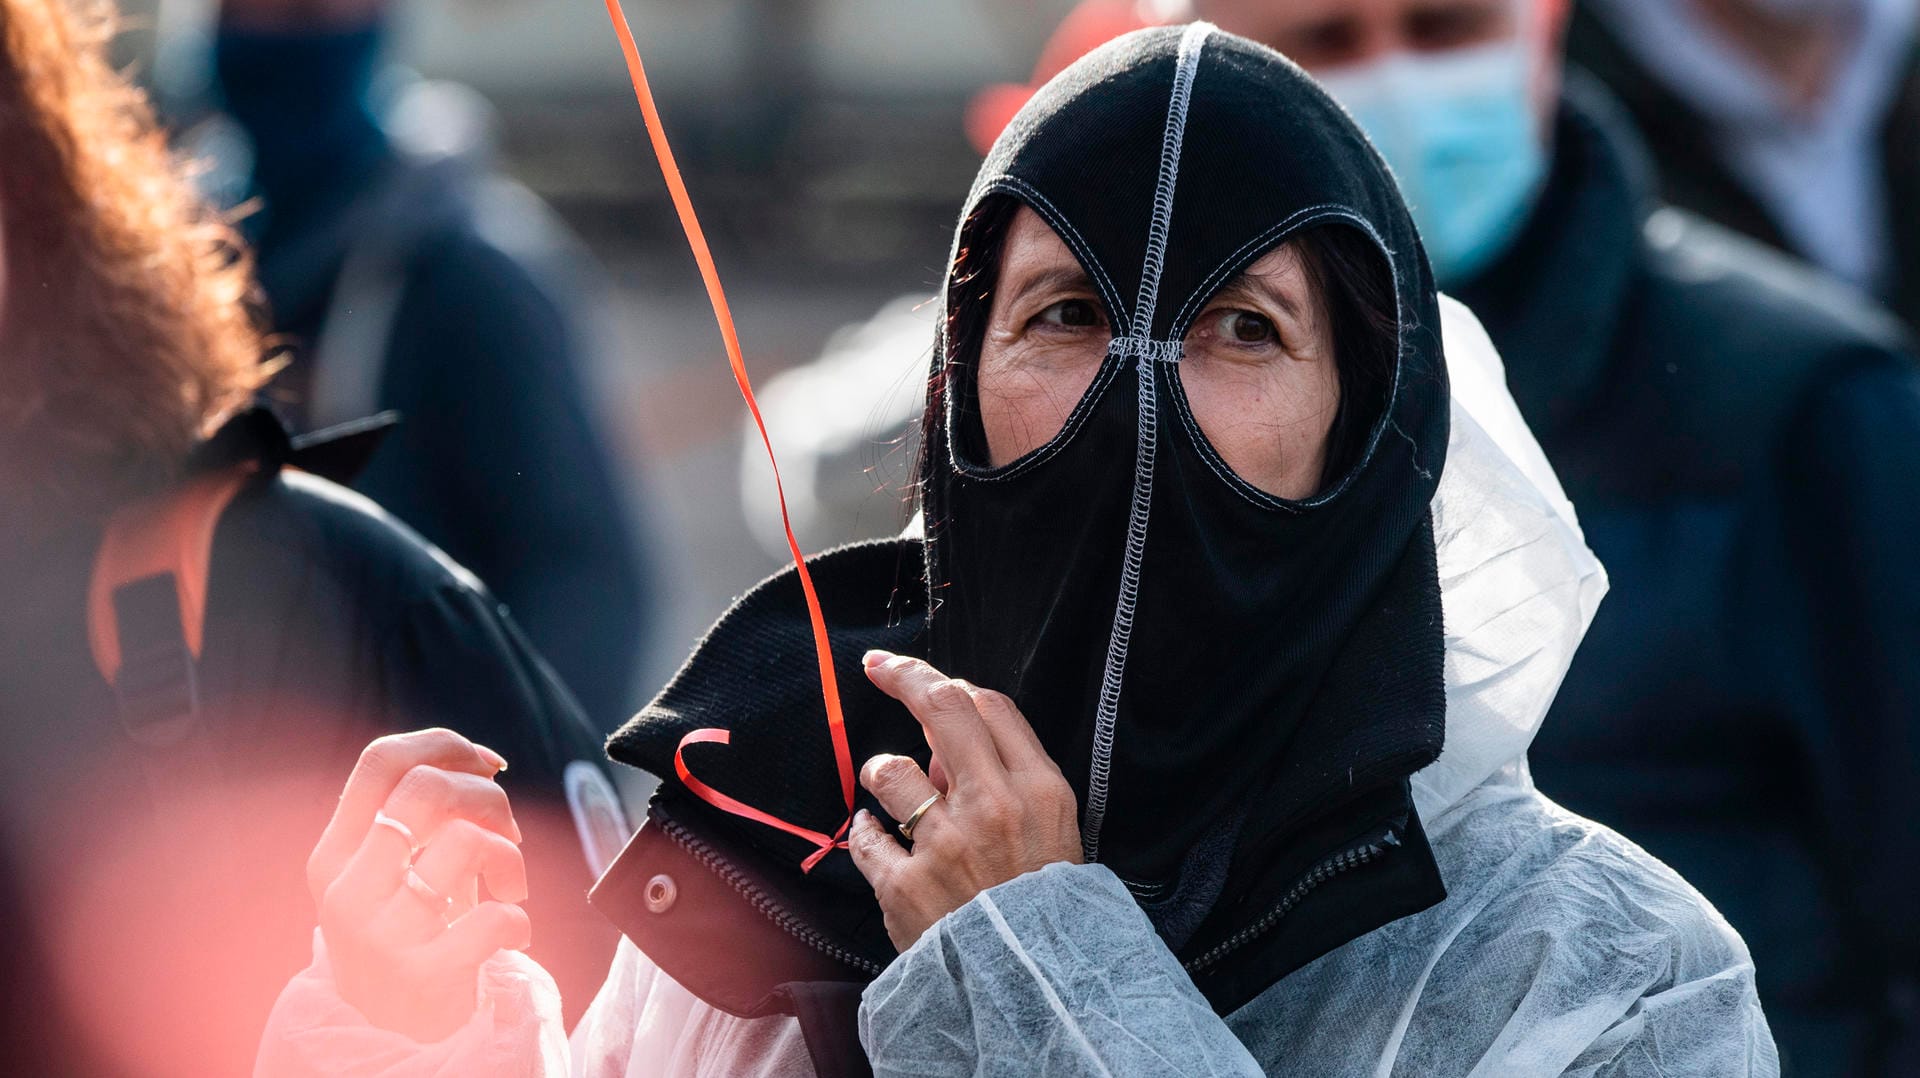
[(1796, 122), (1742, 438), (407, 275), (164, 726)]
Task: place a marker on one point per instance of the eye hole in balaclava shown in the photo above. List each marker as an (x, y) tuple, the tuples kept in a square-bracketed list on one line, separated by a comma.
[(1349, 310)]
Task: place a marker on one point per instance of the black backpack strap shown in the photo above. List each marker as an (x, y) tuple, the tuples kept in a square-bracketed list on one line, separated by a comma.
[(146, 614), (157, 689)]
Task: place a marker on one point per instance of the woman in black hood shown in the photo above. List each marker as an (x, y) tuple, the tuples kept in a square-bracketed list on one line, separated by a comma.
[(1218, 764)]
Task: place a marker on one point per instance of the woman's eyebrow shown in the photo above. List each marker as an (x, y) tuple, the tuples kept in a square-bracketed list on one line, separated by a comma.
[(1241, 288), (1063, 278)]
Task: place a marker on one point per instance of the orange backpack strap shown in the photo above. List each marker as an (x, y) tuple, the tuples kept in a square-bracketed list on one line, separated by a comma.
[(147, 603)]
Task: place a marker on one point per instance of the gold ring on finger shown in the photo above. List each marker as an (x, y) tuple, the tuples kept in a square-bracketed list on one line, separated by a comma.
[(913, 821), (441, 905)]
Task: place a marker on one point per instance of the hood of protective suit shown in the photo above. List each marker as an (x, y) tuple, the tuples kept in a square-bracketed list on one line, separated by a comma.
[(1518, 585)]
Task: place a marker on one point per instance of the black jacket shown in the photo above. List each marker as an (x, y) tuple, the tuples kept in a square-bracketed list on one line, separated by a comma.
[(1694, 176), (1742, 441), (698, 891), (179, 916)]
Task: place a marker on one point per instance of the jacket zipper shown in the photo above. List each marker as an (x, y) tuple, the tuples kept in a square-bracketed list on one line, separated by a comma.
[(1340, 863), (759, 899)]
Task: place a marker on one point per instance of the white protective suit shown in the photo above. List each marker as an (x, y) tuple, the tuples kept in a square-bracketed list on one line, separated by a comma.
[(1561, 948)]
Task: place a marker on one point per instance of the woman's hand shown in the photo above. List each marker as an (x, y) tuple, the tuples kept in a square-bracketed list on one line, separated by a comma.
[(397, 878), (1001, 808)]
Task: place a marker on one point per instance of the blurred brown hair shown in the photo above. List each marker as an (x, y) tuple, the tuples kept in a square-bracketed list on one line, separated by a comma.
[(127, 329)]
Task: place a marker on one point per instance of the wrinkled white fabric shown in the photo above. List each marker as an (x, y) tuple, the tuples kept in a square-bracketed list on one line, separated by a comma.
[(641, 1025), (1518, 585), (644, 1025), (516, 1030), (1561, 948)]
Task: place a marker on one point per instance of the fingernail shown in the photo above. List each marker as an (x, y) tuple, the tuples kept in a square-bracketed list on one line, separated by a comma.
[(862, 818), (498, 761), (875, 657)]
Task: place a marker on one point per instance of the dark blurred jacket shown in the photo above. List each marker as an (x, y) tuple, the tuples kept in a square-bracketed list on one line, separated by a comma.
[(1693, 175), (1742, 441), (151, 931), (407, 276)]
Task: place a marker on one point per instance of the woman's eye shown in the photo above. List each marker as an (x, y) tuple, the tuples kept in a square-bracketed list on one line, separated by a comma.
[(1245, 327), (1074, 313)]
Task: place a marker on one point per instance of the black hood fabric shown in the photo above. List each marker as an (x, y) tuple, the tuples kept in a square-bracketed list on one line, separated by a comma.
[(1278, 673), (1168, 628)]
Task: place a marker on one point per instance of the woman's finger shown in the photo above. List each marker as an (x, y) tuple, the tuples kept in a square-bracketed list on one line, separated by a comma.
[(876, 853), (901, 788), (370, 876), (463, 850), (381, 766), (945, 710), (409, 919), (1013, 737), (426, 798), (471, 940)]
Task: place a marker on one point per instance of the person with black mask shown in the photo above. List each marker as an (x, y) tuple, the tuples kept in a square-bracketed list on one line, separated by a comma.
[(1253, 588), (1742, 436), (404, 273)]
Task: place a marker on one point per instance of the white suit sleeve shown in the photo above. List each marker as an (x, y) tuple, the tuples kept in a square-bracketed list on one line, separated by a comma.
[(1057, 972), (1709, 1026)]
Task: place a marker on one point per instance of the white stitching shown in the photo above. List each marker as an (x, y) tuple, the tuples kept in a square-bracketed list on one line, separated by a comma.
[(1141, 345), (1211, 457), (1105, 720), (1045, 208), (1214, 278), (1205, 446), (1075, 420), (1156, 351), (1187, 63)]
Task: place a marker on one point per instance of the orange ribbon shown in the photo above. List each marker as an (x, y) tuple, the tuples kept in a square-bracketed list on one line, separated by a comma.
[(823, 653)]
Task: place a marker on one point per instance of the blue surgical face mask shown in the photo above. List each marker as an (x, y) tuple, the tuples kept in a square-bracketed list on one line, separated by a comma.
[(1460, 132)]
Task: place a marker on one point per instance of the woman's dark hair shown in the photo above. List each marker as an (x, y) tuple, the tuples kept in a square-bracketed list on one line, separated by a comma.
[(1355, 284), (129, 330), (1346, 269)]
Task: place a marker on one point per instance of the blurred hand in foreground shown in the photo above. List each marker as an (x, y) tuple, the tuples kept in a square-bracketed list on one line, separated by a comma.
[(398, 879)]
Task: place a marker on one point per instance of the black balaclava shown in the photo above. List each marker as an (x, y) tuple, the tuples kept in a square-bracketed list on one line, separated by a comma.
[(1173, 633)]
